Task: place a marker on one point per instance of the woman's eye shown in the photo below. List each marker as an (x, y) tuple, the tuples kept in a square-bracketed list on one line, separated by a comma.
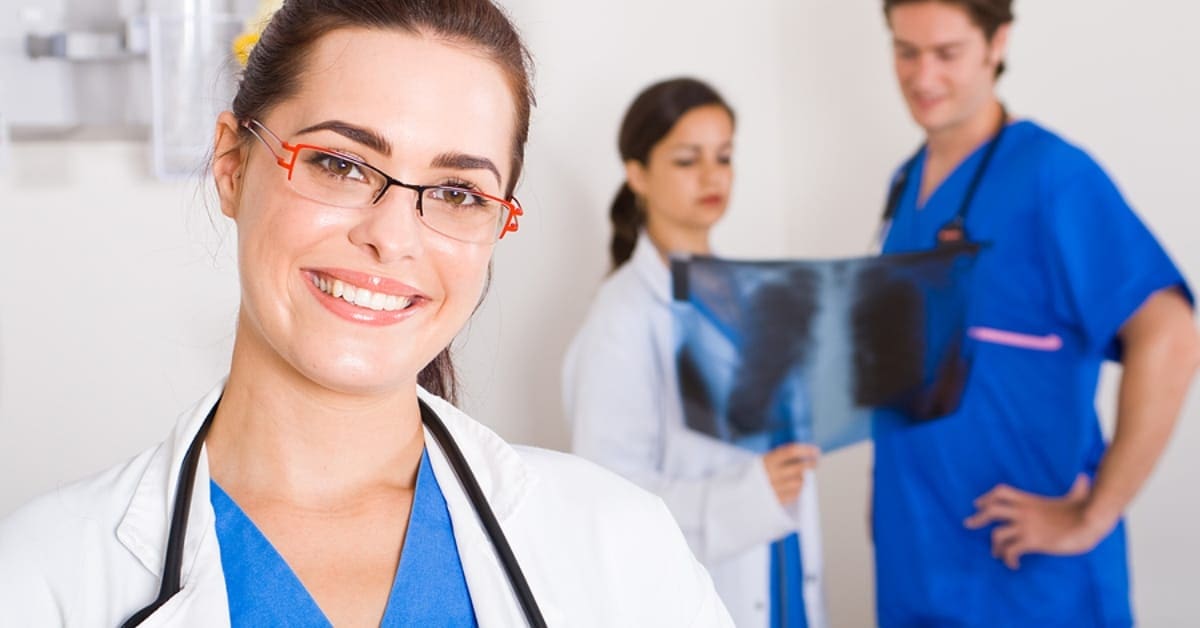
[(685, 163), (341, 167), (457, 197)]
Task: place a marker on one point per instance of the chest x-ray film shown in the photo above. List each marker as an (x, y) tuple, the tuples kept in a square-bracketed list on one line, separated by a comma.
[(769, 352)]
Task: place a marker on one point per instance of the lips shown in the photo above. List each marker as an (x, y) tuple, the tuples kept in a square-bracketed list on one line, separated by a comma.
[(927, 102), (364, 298), (712, 199)]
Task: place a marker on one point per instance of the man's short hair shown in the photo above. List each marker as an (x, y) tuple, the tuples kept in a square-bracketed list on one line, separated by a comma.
[(988, 15)]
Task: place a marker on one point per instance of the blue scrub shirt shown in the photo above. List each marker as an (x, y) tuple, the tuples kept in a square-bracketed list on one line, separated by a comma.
[(429, 588), (1069, 263)]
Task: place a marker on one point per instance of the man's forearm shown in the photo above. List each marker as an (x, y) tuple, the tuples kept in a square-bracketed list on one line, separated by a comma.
[(1161, 353)]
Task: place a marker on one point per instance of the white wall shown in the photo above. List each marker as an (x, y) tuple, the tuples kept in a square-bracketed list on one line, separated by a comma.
[(119, 296), (117, 310)]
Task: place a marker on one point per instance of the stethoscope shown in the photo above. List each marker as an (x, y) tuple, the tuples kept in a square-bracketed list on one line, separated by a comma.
[(173, 565), (955, 230)]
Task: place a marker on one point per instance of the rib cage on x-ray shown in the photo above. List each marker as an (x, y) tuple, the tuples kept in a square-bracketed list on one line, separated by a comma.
[(805, 350)]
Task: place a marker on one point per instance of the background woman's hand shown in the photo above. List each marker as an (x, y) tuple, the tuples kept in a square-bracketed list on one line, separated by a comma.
[(786, 465), (1034, 524)]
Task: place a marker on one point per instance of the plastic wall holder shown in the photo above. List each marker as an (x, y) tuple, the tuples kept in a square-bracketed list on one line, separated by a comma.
[(120, 70), (5, 145), (192, 79)]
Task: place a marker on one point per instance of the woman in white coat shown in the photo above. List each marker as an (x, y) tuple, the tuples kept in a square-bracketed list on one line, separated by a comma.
[(327, 481), (740, 512)]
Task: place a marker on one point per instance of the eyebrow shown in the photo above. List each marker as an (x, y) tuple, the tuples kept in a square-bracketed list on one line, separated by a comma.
[(362, 135), (462, 161), (938, 46), (697, 147), (375, 141)]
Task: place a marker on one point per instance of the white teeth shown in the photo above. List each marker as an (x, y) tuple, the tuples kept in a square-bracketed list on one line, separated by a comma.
[(361, 297)]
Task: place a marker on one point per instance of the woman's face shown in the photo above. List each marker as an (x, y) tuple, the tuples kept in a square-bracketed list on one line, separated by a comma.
[(422, 110), (686, 180)]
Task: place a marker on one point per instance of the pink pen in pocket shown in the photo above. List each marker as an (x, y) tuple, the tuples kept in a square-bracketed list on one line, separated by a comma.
[(1049, 342)]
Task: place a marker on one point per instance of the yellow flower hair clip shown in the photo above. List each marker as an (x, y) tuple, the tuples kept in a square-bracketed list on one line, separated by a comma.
[(245, 42)]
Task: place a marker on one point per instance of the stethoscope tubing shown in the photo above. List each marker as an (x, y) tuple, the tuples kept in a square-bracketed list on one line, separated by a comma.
[(171, 582), (957, 225)]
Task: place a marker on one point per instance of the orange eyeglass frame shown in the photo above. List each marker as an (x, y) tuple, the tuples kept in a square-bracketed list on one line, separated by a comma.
[(511, 222)]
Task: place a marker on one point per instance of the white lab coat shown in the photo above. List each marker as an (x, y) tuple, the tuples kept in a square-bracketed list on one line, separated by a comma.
[(596, 550), (621, 396)]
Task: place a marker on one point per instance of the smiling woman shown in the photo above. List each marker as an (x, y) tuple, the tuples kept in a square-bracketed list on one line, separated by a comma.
[(328, 481)]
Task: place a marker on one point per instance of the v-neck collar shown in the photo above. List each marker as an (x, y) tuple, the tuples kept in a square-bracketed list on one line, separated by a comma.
[(428, 555), (953, 177), (249, 559)]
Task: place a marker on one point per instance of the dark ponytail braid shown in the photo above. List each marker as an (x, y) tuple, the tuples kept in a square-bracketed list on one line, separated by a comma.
[(627, 219)]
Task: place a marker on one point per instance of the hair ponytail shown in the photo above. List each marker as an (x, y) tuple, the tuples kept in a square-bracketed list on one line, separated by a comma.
[(439, 377), (627, 219)]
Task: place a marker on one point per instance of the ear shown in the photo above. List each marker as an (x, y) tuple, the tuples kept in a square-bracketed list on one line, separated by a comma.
[(999, 45), (635, 176), (229, 161)]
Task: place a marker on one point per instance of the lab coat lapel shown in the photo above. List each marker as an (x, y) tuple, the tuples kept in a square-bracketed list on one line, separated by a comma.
[(506, 481), (651, 269), (143, 530), (656, 277), (203, 600)]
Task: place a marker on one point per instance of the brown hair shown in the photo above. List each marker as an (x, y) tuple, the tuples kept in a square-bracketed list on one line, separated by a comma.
[(275, 65), (988, 15), (649, 119)]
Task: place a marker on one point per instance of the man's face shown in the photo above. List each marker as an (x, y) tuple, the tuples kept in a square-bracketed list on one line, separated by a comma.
[(944, 63)]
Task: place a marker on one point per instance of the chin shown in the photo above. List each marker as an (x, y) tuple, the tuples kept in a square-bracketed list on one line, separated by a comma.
[(932, 119), (709, 215), (365, 374), (927, 120)]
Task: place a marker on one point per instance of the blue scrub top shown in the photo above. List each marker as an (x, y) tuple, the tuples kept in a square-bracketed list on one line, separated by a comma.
[(1069, 263), (429, 588)]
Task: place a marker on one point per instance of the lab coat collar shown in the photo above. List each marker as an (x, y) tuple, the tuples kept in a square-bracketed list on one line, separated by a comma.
[(506, 480), (503, 476), (649, 266), (144, 527)]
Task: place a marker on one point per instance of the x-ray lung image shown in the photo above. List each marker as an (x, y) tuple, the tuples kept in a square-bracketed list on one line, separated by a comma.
[(770, 352)]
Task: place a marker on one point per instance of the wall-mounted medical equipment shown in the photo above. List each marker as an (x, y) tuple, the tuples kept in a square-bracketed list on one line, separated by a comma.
[(120, 69)]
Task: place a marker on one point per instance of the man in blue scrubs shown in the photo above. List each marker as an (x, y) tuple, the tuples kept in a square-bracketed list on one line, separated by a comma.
[(1008, 512)]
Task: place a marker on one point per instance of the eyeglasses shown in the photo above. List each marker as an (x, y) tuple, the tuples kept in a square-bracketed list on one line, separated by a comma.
[(332, 178)]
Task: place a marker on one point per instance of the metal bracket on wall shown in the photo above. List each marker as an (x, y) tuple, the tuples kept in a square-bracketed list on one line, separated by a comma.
[(83, 46), (120, 70)]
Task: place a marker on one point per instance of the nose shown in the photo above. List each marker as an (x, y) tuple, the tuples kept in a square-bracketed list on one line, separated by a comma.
[(925, 72), (390, 230), (712, 171)]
